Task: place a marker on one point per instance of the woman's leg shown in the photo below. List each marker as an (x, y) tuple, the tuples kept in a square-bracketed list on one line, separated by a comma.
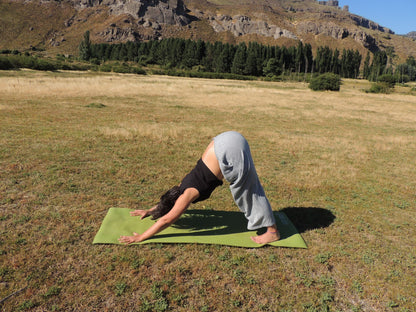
[(234, 157)]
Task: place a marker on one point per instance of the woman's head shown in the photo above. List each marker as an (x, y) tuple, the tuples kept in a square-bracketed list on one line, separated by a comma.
[(167, 201)]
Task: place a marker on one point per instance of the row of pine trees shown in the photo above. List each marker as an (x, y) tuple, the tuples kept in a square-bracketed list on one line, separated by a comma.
[(251, 59)]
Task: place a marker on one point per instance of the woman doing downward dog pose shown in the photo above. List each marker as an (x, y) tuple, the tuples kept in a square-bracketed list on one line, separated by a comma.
[(226, 157)]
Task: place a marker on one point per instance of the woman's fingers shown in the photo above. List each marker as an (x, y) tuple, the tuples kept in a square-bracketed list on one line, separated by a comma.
[(122, 239), (126, 239), (129, 239), (136, 213), (142, 213)]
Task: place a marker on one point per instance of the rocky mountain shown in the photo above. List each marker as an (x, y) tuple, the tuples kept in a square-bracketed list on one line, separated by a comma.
[(58, 26), (411, 34)]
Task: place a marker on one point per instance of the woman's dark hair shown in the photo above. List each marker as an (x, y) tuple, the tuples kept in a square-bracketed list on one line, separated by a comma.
[(167, 201)]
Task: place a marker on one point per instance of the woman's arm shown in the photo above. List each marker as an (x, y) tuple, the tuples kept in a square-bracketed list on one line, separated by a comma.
[(181, 204)]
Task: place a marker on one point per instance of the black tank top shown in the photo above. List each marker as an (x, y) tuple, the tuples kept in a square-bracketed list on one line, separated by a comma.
[(202, 179)]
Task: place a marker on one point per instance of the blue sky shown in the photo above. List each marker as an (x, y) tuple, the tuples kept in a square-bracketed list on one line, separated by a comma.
[(398, 15)]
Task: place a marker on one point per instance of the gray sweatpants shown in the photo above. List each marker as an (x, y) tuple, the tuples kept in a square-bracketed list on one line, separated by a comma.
[(237, 167)]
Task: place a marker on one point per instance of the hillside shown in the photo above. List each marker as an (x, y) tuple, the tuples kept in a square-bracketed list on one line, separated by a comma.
[(58, 27)]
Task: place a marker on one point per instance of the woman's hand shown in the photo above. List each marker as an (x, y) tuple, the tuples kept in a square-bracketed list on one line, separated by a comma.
[(139, 212), (130, 239)]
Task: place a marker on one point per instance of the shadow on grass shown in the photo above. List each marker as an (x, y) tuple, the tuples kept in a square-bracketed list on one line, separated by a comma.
[(309, 218)]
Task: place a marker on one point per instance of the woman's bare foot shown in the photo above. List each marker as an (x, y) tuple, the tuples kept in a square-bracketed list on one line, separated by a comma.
[(271, 235)]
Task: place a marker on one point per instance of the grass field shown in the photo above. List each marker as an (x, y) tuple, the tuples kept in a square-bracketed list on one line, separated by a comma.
[(72, 145)]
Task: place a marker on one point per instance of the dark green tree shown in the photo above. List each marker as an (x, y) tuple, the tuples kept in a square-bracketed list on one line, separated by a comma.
[(290, 60), (166, 53), (345, 65), (405, 73), (181, 49), (366, 69), (207, 61), (85, 47), (225, 59), (122, 54), (190, 56), (154, 52), (200, 51), (254, 62), (131, 51), (357, 63), (100, 51), (308, 58), (108, 52), (239, 62), (323, 59), (335, 62), (391, 56), (299, 58), (272, 68), (350, 63), (283, 58), (378, 66), (411, 61)]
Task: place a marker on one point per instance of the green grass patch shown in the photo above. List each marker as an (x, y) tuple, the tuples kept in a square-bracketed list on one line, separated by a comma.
[(65, 159)]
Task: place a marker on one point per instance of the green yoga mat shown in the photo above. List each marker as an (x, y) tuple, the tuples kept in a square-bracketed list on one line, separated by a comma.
[(196, 226)]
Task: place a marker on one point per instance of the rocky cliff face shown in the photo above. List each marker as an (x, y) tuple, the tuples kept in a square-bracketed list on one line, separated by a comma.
[(152, 13), (171, 12), (363, 22), (240, 25), (133, 20), (337, 32)]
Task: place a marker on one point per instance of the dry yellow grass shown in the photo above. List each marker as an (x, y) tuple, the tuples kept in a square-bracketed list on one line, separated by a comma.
[(74, 144)]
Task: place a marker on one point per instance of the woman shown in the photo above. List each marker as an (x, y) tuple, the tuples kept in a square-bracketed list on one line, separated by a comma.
[(227, 156)]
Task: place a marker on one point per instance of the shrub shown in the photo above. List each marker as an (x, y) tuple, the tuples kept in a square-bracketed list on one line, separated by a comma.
[(387, 79), (138, 71), (206, 75), (44, 65), (385, 84), (328, 81), (121, 69), (105, 68), (18, 61), (404, 79), (5, 63), (125, 69), (379, 87), (95, 61), (24, 61)]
